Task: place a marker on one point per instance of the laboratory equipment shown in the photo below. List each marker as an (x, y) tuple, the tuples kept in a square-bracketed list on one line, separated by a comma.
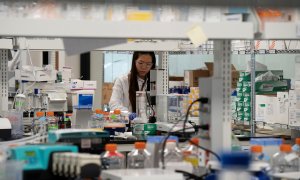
[(139, 157), (141, 107), (111, 158), (37, 158), (87, 140), (269, 145), (82, 104), (172, 110), (5, 128), (138, 174), (20, 100)]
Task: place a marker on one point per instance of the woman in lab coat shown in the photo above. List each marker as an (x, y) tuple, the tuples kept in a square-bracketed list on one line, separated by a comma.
[(138, 79)]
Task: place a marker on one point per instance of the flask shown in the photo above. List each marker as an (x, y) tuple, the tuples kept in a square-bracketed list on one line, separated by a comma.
[(111, 158), (139, 157)]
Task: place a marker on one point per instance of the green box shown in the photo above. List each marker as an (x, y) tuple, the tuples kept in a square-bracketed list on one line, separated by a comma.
[(247, 109), (246, 89), (240, 108), (239, 93), (240, 98), (240, 104), (271, 87), (246, 76), (239, 89), (239, 84), (246, 84), (247, 99)]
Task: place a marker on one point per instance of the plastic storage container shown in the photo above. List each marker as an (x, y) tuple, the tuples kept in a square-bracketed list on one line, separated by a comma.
[(296, 147), (111, 158), (139, 157), (285, 160), (16, 120), (52, 121)]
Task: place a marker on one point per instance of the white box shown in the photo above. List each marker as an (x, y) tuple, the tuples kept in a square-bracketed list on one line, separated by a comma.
[(76, 84), (282, 111), (292, 99), (297, 71), (89, 84), (66, 74), (260, 108), (270, 109), (294, 117)]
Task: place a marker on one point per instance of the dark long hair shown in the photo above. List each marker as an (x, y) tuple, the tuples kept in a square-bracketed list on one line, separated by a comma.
[(133, 83)]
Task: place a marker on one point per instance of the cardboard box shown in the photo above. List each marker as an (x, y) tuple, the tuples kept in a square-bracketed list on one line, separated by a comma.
[(234, 73), (106, 92), (191, 77)]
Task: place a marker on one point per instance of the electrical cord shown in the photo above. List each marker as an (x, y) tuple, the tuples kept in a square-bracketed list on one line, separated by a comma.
[(202, 101)]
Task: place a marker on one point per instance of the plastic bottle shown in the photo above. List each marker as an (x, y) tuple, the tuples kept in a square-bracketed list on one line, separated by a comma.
[(193, 155), (116, 116), (296, 147), (111, 158), (234, 166), (68, 123), (257, 153), (96, 120), (52, 121), (172, 152), (36, 123), (139, 157), (61, 122), (285, 160)]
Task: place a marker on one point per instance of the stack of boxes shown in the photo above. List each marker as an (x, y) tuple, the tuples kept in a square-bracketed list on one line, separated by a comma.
[(242, 103), (193, 95)]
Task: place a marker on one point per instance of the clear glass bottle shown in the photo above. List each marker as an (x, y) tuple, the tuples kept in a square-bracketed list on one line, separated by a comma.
[(139, 157), (52, 121), (285, 160), (296, 147), (111, 158), (257, 153)]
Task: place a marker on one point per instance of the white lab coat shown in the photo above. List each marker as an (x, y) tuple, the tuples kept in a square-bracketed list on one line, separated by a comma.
[(120, 96)]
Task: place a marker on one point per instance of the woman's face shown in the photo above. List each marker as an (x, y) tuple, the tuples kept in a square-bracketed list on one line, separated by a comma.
[(143, 65)]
